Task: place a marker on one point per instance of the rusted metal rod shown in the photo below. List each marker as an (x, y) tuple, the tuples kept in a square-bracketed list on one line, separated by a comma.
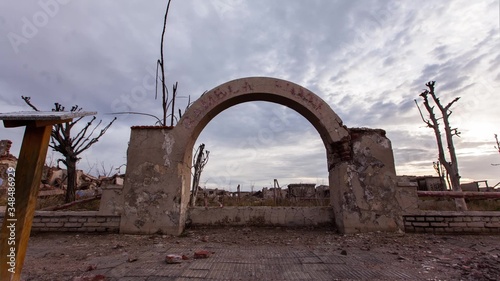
[(458, 194)]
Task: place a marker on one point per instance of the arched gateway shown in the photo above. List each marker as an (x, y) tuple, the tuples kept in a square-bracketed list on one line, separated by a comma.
[(361, 170)]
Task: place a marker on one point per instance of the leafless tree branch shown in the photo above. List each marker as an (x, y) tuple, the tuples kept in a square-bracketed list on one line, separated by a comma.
[(27, 100)]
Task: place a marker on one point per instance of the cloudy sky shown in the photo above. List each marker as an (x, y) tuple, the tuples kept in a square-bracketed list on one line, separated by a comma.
[(368, 59)]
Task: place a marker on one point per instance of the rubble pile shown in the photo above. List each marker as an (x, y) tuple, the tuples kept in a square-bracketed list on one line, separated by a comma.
[(54, 179)]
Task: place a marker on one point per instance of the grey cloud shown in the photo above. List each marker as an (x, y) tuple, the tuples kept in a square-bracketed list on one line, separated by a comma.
[(441, 52), (99, 55)]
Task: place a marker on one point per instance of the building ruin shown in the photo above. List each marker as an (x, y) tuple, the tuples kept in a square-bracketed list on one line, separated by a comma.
[(362, 178)]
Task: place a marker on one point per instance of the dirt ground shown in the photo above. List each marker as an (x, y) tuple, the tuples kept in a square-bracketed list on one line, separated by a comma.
[(72, 256)]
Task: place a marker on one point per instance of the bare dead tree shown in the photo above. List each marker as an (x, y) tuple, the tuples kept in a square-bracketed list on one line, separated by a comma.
[(497, 147), (160, 64), (103, 172), (200, 160), (71, 147), (168, 103), (450, 166)]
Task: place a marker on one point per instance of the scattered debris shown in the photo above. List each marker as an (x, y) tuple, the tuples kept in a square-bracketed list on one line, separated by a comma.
[(202, 254), (170, 259), (132, 259), (91, 267)]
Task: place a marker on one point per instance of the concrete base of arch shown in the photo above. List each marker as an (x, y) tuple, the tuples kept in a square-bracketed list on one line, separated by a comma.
[(364, 194)]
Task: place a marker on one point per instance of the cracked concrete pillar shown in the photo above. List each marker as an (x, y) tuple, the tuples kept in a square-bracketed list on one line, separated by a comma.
[(151, 191), (363, 188)]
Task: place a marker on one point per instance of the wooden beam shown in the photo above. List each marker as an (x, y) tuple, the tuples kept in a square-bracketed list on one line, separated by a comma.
[(17, 222), (15, 123), (36, 123)]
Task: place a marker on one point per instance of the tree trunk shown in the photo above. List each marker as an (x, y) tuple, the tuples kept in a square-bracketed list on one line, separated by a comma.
[(71, 187), (198, 168), (453, 174), (460, 203)]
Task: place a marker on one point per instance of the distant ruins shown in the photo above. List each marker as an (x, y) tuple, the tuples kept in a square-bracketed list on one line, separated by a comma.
[(54, 179), (301, 194)]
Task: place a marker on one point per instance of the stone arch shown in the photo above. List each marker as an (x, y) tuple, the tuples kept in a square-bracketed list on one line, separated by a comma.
[(360, 162), (306, 103)]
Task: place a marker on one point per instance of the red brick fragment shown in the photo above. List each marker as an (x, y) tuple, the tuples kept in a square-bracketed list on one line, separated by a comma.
[(201, 254)]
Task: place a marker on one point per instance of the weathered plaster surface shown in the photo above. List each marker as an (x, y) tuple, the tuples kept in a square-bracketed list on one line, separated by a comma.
[(151, 202), (370, 199), (111, 200), (262, 216), (168, 143)]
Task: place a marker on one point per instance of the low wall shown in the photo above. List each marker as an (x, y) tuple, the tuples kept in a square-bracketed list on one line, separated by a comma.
[(262, 216), (56, 221), (453, 222), (448, 204)]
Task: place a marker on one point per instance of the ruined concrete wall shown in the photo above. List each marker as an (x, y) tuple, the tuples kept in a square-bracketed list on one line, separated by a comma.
[(363, 189), (362, 176), (262, 216), (112, 200), (151, 191), (367, 192), (407, 198)]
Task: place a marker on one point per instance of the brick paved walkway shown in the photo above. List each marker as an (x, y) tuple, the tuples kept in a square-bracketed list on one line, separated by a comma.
[(261, 254), (254, 263)]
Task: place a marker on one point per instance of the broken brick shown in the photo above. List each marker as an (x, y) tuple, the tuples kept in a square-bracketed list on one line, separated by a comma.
[(201, 254)]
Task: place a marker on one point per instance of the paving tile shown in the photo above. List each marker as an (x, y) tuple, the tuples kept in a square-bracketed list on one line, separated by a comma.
[(321, 275), (107, 262), (303, 254), (296, 275), (222, 275), (195, 273), (147, 270), (334, 259), (118, 271), (314, 259), (202, 264), (133, 279), (317, 267), (349, 272), (169, 272)]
